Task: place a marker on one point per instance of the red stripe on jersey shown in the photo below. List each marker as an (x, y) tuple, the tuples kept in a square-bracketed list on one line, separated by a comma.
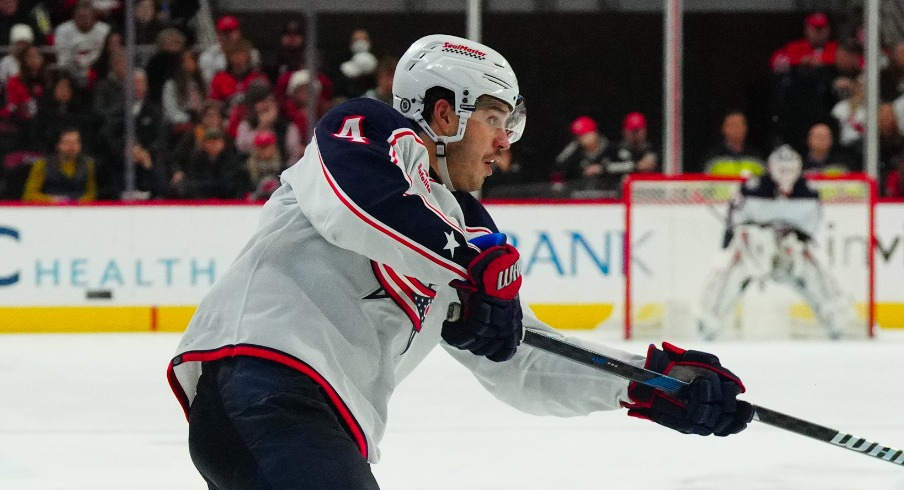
[(428, 254), (286, 360), (398, 295)]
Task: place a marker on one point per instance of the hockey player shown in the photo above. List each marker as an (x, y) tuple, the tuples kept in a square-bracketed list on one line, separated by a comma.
[(771, 223), (286, 368)]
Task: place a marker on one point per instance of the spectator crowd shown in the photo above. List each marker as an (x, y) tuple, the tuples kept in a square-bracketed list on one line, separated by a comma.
[(221, 121), (818, 107), (210, 122)]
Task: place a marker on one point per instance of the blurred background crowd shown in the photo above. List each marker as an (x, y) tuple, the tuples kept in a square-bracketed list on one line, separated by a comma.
[(222, 102)]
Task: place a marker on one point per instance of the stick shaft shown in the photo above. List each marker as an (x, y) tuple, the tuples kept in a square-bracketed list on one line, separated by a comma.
[(674, 386)]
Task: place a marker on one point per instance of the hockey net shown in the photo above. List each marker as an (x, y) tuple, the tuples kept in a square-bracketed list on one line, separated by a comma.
[(674, 230)]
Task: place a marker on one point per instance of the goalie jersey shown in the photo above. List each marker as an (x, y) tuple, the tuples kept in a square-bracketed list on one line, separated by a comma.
[(760, 202), (346, 280)]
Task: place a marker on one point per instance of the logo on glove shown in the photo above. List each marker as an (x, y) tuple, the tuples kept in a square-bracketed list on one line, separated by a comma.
[(508, 275)]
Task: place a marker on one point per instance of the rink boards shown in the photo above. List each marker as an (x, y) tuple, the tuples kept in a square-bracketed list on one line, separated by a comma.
[(144, 268)]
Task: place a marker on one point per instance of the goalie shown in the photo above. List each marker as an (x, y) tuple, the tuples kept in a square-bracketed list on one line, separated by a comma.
[(770, 226)]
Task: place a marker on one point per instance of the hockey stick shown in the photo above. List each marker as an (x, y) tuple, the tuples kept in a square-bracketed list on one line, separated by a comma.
[(674, 386)]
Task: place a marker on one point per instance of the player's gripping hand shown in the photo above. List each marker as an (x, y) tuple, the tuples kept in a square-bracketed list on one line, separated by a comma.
[(709, 405), (489, 320)]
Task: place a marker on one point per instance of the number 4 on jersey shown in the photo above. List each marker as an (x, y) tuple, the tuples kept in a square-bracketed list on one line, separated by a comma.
[(351, 130)]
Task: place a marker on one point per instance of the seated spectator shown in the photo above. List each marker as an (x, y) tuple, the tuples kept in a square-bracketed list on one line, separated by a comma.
[(634, 153), (581, 163), (264, 116), (385, 73), (897, 106), (149, 133), (164, 63), (848, 66), (80, 41), (820, 157), (211, 118), (101, 67), (67, 176), (733, 156), (357, 73), (893, 185), (288, 86), (21, 38), (213, 172), (264, 166), (32, 14), (891, 140), (213, 59), (229, 85), (22, 92), (289, 56), (181, 15), (891, 78), (147, 25), (851, 116), (295, 105), (184, 94), (150, 173), (63, 107), (815, 49)]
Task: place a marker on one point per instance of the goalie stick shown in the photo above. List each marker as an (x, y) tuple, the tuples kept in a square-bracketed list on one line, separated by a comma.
[(674, 386)]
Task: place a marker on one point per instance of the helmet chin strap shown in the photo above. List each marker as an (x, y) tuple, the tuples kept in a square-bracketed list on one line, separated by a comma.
[(443, 166), (441, 145)]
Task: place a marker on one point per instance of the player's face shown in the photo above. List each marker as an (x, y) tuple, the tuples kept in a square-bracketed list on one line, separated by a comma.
[(485, 138)]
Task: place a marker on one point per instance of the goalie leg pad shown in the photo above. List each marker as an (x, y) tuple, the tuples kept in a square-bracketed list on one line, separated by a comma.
[(753, 250), (819, 289)]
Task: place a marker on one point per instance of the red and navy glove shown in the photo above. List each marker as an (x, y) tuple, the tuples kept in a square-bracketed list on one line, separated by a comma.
[(709, 405), (489, 323)]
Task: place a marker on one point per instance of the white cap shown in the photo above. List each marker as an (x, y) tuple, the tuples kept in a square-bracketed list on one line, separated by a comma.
[(299, 78), (21, 32)]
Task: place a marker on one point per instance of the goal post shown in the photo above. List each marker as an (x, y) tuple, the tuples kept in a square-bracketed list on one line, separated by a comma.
[(674, 238)]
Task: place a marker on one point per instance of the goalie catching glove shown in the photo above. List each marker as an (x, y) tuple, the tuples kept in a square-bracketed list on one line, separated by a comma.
[(488, 321), (708, 405)]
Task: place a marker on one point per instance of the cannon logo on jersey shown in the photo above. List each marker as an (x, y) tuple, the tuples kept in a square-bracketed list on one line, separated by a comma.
[(411, 295)]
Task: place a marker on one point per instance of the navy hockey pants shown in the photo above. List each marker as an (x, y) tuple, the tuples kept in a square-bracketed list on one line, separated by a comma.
[(256, 424)]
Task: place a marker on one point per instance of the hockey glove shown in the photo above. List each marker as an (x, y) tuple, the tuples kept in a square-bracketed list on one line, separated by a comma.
[(489, 321), (709, 405)]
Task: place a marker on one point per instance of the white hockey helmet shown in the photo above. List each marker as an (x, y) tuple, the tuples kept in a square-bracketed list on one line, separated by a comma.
[(784, 166), (468, 69)]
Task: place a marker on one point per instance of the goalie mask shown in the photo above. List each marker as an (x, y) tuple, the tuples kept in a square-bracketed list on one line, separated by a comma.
[(785, 166), (468, 69)]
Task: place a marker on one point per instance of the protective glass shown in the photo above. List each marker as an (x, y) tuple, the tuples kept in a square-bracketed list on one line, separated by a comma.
[(517, 120), (511, 122)]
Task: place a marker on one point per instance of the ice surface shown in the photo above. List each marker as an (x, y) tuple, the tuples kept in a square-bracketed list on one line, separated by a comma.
[(95, 412)]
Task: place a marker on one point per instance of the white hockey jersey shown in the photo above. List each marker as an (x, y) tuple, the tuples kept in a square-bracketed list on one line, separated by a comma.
[(346, 280)]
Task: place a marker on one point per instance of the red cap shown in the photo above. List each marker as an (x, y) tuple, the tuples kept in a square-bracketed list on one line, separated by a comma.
[(634, 121), (817, 19), (583, 125), (264, 138), (227, 23)]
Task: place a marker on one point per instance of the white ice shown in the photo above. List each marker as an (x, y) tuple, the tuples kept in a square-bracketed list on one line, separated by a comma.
[(95, 412)]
